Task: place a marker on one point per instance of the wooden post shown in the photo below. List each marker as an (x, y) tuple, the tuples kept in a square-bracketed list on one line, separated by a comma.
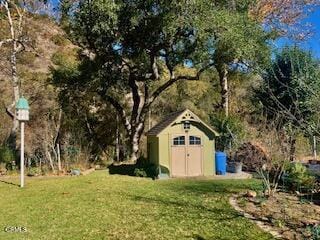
[(22, 156)]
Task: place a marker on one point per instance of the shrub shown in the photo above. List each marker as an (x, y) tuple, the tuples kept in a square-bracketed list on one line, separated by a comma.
[(33, 171), (140, 172), (58, 58), (59, 40), (148, 170), (3, 169), (6, 156), (298, 177), (231, 130), (27, 58), (315, 232)]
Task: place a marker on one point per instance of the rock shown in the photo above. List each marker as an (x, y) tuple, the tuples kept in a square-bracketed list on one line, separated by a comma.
[(75, 172), (251, 194)]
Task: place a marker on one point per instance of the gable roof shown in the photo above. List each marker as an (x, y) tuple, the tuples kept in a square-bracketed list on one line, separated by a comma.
[(171, 119)]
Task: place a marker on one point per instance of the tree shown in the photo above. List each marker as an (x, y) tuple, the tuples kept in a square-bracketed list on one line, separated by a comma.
[(289, 93), (15, 41), (241, 44), (132, 53), (242, 30), (283, 16), (14, 16)]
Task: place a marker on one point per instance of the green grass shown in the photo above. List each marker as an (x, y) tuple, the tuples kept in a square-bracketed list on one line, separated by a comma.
[(102, 206)]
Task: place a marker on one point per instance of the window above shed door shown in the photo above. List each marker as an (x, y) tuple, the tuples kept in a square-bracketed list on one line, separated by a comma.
[(193, 140), (179, 140), (186, 125)]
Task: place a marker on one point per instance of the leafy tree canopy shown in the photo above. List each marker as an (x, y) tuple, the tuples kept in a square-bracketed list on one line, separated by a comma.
[(290, 89)]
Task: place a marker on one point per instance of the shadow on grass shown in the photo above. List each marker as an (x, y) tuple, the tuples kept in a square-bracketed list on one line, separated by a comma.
[(10, 183), (124, 169), (198, 237), (219, 214), (140, 169), (215, 186)]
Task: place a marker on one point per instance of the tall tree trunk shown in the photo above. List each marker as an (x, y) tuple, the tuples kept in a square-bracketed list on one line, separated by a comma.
[(15, 83), (15, 33), (59, 158), (117, 140), (223, 78), (135, 141), (314, 146), (292, 153)]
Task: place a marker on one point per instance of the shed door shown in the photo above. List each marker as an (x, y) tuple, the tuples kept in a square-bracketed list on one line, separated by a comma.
[(186, 158), (178, 157), (194, 156)]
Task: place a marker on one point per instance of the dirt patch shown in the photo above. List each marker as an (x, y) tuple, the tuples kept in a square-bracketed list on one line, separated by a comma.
[(286, 214)]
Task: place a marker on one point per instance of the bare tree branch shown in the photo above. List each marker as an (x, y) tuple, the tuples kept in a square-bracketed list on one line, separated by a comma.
[(3, 42), (173, 80)]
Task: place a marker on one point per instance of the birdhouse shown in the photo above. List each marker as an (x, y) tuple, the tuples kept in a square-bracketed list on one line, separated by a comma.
[(22, 109)]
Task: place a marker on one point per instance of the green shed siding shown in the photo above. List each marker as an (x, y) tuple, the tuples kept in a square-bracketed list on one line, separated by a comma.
[(160, 145), (153, 150)]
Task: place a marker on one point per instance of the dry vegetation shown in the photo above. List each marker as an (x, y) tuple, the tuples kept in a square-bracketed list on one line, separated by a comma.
[(292, 216)]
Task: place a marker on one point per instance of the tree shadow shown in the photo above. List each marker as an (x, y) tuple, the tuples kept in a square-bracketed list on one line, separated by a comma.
[(226, 214), (124, 169), (198, 237), (10, 183), (140, 168), (215, 186)]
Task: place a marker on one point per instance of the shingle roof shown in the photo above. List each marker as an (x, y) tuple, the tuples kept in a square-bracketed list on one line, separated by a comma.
[(165, 123)]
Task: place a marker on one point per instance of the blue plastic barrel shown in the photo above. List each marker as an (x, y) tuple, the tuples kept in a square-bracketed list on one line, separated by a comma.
[(221, 163)]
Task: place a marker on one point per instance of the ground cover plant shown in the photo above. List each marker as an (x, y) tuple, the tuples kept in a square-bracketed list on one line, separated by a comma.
[(290, 215), (102, 206)]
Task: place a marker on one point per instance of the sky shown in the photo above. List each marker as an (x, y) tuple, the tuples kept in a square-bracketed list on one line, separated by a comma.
[(312, 43)]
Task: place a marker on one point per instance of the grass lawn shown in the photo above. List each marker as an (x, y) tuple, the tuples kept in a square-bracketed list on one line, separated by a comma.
[(102, 206)]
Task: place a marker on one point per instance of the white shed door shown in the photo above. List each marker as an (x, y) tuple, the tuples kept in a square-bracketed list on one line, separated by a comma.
[(178, 156), (186, 156)]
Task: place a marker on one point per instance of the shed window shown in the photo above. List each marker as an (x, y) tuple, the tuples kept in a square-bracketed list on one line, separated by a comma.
[(179, 140), (193, 140), (186, 125)]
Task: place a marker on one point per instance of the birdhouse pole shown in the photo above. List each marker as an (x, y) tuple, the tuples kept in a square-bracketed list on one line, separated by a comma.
[(23, 116), (22, 156)]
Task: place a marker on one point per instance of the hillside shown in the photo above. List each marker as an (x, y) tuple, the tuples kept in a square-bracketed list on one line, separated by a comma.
[(46, 38)]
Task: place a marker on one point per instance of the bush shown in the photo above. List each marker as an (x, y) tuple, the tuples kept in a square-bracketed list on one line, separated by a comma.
[(3, 169), (231, 130), (141, 169), (33, 171), (298, 178), (59, 40), (148, 170), (59, 59), (140, 172), (145, 169), (27, 58), (315, 232), (7, 156)]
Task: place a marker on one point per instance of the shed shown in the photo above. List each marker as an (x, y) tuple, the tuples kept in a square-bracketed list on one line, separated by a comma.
[(182, 145)]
